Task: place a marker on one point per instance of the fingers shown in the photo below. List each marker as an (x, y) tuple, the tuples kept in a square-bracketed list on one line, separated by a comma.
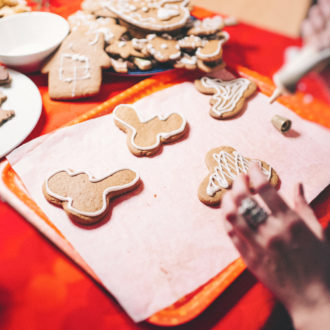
[(305, 212), (269, 195), (316, 18)]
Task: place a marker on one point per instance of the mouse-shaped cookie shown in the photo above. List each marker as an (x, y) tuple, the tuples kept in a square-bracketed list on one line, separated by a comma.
[(225, 164), (144, 138), (85, 198)]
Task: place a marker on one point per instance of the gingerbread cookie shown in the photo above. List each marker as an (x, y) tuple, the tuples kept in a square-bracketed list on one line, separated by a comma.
[(228, 97), (154, 15), (124, 49), (4, 75), (163, 50), (186, 62), (3, 98), (107, 26), (190, 43), (6, 115), (11, 7), (225, 164), (207, 26), (211, 50), (85, 198), (142, 63), (75, 70), (144, 138), (97, 8), (208, 67)]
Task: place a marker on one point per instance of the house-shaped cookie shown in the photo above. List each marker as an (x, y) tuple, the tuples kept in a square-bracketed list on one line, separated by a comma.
[(75, 70)]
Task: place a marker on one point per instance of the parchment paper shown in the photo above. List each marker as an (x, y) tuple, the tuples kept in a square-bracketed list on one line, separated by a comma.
[(160, 242)]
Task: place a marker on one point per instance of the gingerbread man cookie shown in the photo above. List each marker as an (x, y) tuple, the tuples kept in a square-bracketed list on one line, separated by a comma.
[(85, 198), (228, 97), (75, 70), (3, 97), (225, 164), (144, 138), (154, 15), (163, 50)]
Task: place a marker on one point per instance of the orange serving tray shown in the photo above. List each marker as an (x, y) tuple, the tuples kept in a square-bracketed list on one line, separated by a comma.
[(190, 306)]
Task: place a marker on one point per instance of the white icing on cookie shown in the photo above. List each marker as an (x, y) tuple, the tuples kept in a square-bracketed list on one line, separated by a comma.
[(204, 56), (165, 14), (162, 11), (159, 135), (228, 93), (93, 180), (229, 166), (80, 66)]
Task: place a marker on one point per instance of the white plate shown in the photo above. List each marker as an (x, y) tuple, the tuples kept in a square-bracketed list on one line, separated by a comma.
[(24, 98)]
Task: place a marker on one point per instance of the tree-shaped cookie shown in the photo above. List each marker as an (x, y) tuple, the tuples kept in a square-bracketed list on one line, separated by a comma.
[(144, 138), (85, 198), (225, 164), (75, 70), (228, 97)]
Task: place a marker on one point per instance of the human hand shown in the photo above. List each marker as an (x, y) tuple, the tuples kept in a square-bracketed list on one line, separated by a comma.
[(288, 252), (316, 27)]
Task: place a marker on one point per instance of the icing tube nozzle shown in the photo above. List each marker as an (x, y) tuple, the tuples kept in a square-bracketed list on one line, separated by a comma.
[(308, 59)]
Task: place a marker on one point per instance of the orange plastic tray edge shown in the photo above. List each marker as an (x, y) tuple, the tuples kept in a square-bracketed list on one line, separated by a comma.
[(194, 303)]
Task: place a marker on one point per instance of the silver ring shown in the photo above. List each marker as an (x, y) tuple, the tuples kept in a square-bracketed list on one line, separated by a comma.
[(253, 214)]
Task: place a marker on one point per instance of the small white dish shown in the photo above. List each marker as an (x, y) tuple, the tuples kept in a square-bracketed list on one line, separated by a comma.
[(24, 98), (27, 39)]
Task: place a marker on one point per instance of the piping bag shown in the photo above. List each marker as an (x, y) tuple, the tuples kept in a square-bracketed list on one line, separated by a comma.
[(308, 59)]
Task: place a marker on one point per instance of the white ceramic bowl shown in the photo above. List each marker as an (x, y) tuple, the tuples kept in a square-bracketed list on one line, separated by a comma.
[(27, 39)]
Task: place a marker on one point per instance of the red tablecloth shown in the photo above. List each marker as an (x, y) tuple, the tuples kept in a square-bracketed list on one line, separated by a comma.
[(40, 288)]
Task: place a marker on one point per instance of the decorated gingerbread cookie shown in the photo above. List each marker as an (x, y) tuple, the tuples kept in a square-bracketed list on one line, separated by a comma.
[(85, 198), (107, 26), (154, 15), (211, 50), (187, 62), (228, 97), (163, 50), (144, 138), (97, 8), (124, 49), (75, 70), (207, 26), (224, 165), (190, 43)]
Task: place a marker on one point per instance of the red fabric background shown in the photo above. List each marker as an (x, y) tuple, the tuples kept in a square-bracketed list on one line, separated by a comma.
[(40, 288)]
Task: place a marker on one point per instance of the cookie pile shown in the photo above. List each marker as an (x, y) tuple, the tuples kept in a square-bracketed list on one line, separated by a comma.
[(154, 33), (10, 7), (4, 79), (129, 35)]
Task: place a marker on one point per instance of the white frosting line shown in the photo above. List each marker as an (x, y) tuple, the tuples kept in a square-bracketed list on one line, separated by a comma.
[(218, 49), (93, 180), (76, 59), (229, 166), (159, 135), (228, 93)]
